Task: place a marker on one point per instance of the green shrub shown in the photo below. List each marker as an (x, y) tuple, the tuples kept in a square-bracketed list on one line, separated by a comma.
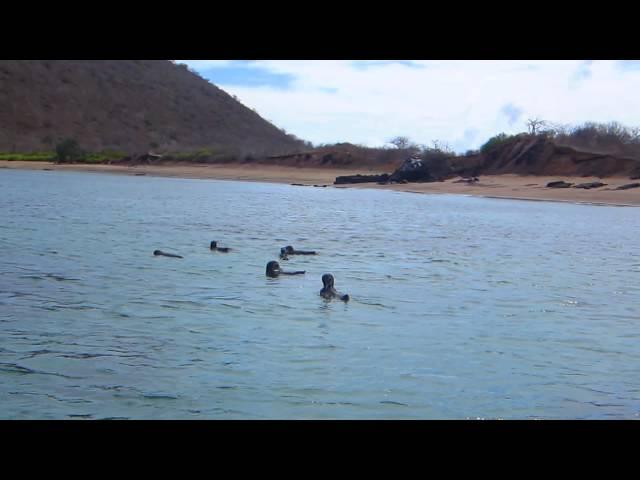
[(68, 151), (496, 141)]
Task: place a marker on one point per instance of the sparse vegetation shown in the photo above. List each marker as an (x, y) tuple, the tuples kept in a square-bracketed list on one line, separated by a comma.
[(205, 155), (535, 125), (102, 157), (400, 142), (27, 157), (437, 158), (600, 133)]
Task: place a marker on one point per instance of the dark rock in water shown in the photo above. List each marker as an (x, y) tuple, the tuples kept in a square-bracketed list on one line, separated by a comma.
[(634, 177), (361, 179), (559, 184), (628, 186), (298, 184), (590, 185)]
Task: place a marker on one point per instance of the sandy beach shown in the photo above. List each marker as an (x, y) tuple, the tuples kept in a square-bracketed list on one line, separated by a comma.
[(494, 186)]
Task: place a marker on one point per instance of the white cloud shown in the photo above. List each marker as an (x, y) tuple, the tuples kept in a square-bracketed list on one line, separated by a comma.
[(332, 101)]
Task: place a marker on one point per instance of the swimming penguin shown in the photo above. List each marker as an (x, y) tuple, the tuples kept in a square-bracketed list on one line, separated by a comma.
[(214, 247), (288, 250), (328, 291), (273, 270), (160, 252)]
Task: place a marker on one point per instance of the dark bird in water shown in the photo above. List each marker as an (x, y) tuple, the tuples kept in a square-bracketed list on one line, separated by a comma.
[(273, 270), (214, 247), (289, 250), (328, 291), (161, 253)]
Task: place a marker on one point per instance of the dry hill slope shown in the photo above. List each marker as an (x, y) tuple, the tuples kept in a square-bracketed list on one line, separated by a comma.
[(126, 105)]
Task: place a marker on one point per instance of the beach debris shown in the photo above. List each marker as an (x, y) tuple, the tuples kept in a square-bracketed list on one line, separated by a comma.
[(627, 186), (559, 184), (468, 180), (590, 185)]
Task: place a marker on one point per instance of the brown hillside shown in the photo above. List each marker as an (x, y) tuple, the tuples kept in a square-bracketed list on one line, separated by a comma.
[(127, 105), (538, 155)]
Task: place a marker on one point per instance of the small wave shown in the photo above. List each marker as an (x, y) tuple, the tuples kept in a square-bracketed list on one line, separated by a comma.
[(391, 402), (20, 370), (60, 278), (32, 277), (374, 304), (14, 368), (160, 396), (228, 305)]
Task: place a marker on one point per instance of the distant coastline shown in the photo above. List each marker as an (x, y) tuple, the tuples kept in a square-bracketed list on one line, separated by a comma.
[(508, 186)]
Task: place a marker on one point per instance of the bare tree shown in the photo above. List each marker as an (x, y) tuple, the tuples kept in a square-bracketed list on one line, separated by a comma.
[(400, 142), (535, 124), (441, 146)]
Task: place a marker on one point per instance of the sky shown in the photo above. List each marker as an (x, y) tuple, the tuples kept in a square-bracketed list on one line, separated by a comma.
[(458, 103)]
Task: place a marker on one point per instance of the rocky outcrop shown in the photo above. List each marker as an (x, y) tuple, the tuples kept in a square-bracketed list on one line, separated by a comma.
[(628, 186), (361, 179), (559, 184), (590, 185), (413, 169)]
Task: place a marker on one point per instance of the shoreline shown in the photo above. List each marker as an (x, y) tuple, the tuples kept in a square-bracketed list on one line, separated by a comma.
[(509, 186)]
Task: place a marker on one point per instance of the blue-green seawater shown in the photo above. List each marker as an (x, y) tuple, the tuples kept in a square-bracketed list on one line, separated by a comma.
[(460, 307)]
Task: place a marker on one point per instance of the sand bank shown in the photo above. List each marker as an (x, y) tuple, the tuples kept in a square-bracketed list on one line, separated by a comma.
[(494, 186)]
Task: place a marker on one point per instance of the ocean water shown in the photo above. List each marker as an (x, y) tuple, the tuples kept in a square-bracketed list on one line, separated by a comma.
[(460, 307)]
